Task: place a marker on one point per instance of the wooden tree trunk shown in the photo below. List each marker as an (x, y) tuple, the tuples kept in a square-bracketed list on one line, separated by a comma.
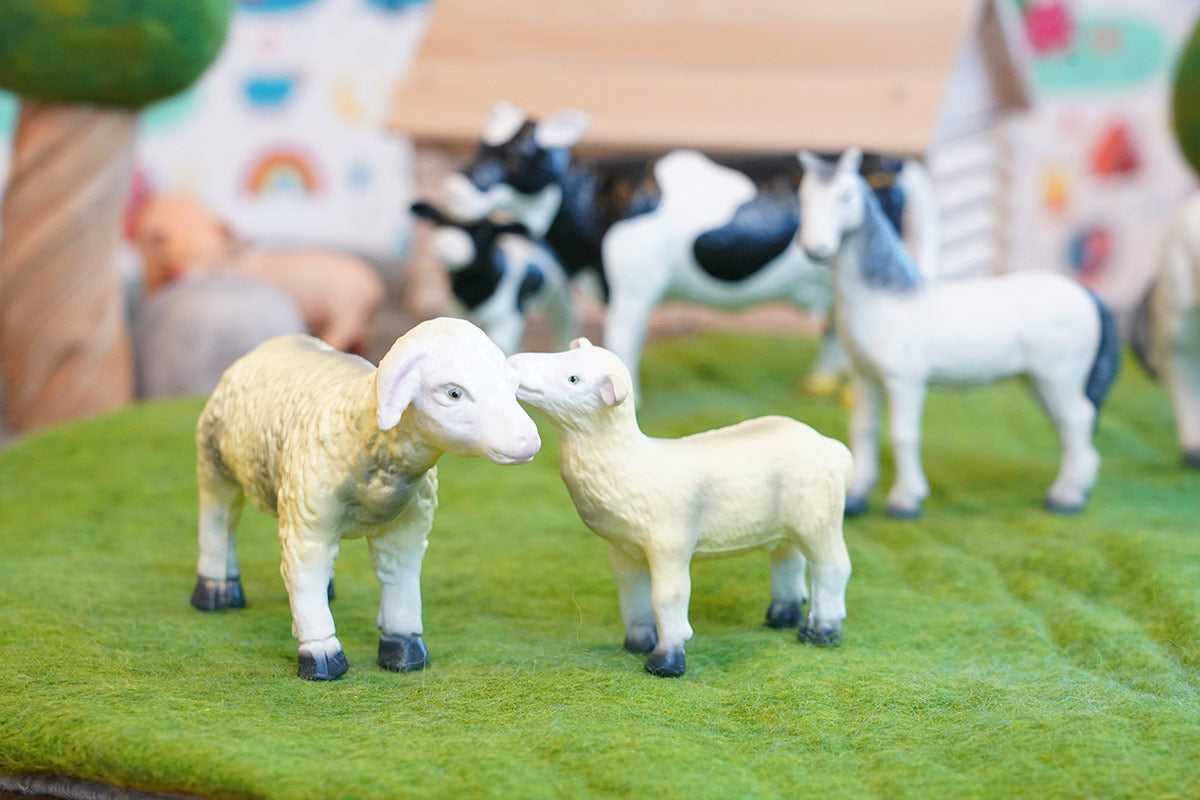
[(64, 342)]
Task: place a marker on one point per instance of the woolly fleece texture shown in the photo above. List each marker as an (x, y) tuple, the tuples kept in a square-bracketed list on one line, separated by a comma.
[(992, 650)]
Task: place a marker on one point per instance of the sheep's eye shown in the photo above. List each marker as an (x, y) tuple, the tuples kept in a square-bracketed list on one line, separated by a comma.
[(574, 379), (454, 393)]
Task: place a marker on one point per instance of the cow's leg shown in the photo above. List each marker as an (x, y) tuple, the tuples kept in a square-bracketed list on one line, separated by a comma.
[(670, 592), (1181, 379), (637, 282), (829, 563), (906, 404), (864, 441), (397, 555), (1073, 416), (788, 590), (218, 582), (561, 308), (633, 592), (308, 556)]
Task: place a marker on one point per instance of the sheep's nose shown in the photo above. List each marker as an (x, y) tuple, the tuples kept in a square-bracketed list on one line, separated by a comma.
[(528, 444)]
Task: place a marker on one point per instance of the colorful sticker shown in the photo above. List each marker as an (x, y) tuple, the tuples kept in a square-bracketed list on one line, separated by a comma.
[(1089, 252), (1107, 52), (283, 171), (1115, 154), (269, 92)]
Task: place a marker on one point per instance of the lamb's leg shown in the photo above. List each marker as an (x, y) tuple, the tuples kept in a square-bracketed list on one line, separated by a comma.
[(788, 590), (218, 582), (864, 441), (1073, 416), (397, 556), (670, 591), (308, 556), (906, 404), (633, 592), (830, 566)]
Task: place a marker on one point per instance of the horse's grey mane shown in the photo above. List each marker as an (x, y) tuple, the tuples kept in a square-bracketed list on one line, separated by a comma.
[(883, 260)]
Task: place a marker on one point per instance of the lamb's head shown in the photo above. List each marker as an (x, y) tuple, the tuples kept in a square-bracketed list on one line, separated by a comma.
[(450, 384), (576, 388)]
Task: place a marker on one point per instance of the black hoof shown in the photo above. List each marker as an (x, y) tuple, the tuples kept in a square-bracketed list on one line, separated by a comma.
[(330, 592), (666, 663), (641, 641), (899, 512), (320, 666), (403, 653), (856, 506), (784, 614), (1063, 508), (831, 637), (1191, 459), (211, 595)]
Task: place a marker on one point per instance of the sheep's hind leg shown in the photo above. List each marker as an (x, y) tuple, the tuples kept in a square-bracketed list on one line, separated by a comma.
[(633, 593), (670, 592), (788, 590), (218, 580)]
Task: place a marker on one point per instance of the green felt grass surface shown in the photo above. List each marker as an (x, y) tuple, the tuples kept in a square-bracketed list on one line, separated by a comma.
[(991, 649)]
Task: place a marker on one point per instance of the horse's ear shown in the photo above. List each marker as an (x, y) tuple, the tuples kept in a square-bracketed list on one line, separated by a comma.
[(851, 160), (563, 128), (582, 341), (809, 160)]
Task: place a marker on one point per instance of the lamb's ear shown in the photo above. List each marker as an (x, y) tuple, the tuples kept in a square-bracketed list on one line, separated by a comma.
[(563, 128), (851, 160), (397, 382), (610, 392), (582, 341)]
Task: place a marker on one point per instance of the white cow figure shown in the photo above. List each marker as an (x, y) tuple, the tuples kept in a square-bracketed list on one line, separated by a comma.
[(903, 334), (771, 483), (338, 449)]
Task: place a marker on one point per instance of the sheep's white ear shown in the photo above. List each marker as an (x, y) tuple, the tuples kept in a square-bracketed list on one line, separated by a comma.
[(809, 160), (582, 341), (504, 123), (851, 160), (610, 392), (397, 382), (563, 128)]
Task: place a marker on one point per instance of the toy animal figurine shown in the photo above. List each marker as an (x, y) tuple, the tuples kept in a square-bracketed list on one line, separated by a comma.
[(338, 450), (771, 482), (337, 294), (1167, 326), (903, 334), (498, 273), (681, 225)]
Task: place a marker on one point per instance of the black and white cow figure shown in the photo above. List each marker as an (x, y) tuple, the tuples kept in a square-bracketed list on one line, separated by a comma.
[(498, 273), (681, 225)]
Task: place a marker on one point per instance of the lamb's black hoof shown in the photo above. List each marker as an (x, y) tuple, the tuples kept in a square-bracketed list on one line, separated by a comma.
[(641, 641), (667, 663), (784, 614), (831, 637), (856, 506), (330, 592), (318, 665), (211, 594), (1063, 508), (901, 512), (1191, 459), (403, 653)]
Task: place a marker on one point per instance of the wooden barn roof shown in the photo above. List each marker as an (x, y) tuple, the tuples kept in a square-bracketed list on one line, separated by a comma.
[(718, 74)]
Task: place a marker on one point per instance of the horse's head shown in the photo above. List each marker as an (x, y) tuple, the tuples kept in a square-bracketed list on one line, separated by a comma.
[(831, 202), (517, 167)]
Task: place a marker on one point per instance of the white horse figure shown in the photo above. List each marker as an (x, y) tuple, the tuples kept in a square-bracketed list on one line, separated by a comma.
[(903, 334)]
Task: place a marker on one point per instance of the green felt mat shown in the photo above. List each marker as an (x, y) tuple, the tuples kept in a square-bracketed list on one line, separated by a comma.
[(991, 649)]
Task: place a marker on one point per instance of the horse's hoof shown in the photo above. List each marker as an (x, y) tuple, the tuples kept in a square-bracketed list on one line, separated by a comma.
[(641, 640), (211, 594), (905, 512), (856, 506), (782, 614), (828, 637), (1059, 507), (403, 653), (667, 663), (319, 663), (1191, 459), (821, 384)]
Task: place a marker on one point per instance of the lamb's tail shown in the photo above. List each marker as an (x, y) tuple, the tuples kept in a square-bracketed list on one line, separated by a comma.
[(1108, 355)]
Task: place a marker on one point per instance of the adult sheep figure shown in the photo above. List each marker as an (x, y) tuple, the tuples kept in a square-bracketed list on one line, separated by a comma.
[(337, 449), (770, 483)]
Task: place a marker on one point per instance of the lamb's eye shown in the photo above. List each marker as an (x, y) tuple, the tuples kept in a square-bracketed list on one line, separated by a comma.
[(454, 393), (574, 379)]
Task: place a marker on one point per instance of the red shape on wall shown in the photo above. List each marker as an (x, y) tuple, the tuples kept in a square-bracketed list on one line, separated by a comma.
[(1050, 27), (1115, 153)]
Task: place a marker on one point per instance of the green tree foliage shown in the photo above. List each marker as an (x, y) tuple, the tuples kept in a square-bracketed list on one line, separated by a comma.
[(1185, 111), (111, 52)]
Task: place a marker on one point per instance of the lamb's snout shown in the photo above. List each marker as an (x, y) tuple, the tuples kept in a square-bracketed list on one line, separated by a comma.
[(523, 446)]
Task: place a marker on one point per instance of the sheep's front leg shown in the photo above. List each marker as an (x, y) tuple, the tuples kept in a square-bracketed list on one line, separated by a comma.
[(670, 592), (906, 403), (308, 556), (830, 565), (218, 581), (633, 592), (864, 441), (397, 556), (788, 591)]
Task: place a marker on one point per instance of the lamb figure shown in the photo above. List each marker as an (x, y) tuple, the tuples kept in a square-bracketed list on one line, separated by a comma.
[(337, 449), (770, 483)]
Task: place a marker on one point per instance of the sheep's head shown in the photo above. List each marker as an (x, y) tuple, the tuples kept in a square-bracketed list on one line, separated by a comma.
[(450, 384), (575, 387)]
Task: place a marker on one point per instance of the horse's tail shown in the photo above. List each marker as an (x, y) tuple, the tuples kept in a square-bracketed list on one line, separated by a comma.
[(1108, 355), (1141, 333)]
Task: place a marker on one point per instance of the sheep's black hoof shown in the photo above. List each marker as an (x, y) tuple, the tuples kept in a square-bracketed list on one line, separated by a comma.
[(829, 637), (211, 594), (856, 506), (641, 640), (318, 665), (403, 653), (783, 614), (903, 512), (667, 663), (1191, 459), (330, 592), (1059, 507)]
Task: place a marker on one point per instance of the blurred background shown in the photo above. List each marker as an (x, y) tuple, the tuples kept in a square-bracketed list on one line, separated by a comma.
[(292, 162)]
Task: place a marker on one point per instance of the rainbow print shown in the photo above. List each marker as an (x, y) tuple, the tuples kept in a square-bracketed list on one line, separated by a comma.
[(282, 171)]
